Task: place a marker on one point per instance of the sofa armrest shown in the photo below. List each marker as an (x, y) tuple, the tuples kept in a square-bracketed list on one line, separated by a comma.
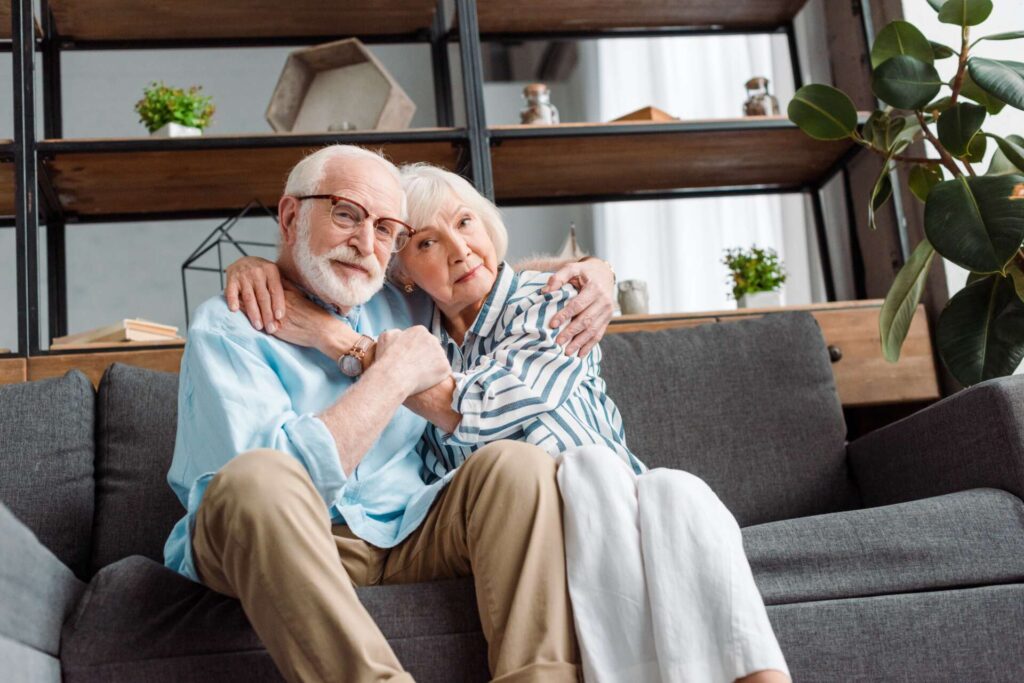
[(972, 439), (37, 591)]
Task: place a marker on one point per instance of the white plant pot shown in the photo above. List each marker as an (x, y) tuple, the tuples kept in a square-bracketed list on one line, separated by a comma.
[(176, 130), (759, 300)]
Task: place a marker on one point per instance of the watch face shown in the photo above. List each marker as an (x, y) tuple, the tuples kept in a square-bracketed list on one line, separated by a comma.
[(351, 366)]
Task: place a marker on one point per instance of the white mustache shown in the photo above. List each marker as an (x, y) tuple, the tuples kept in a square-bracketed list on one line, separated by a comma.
[(347, 254)]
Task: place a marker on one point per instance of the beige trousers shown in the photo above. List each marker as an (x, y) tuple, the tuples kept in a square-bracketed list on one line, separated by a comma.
[(263, 535)]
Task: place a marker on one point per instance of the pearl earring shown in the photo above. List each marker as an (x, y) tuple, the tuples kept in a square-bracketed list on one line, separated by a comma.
[(409, 287)]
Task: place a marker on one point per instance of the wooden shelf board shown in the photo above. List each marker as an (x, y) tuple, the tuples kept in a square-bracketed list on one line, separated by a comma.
[(94, 364), (86, 20), (144, 181), (761, 151), (863, 377), (13, 370), (519, 16)]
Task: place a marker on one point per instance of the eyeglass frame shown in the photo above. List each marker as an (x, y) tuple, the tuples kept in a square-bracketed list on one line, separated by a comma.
[(335, 198)]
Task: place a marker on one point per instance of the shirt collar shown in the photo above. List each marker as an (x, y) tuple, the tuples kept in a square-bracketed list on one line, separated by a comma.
[(487, 318), (352, 317)]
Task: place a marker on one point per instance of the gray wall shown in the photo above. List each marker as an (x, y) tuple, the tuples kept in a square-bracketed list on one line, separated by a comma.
[(133, 269)]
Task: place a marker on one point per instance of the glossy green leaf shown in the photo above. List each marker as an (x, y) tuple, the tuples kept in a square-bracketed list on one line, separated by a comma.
[(1001, 164), (936, 4), (965, 12), (1017, 275), (980, 333), (974, 277), (923, 177), (958, 125), (940, 51), (1003, 79), (906, 135), (976, 149), (900, 38), (974, 221), (880, 193), (873, 126), (972, 91), (823, 112), (1012, 148), (1009, 35), (940, 105), (902, 299), (906, 82)]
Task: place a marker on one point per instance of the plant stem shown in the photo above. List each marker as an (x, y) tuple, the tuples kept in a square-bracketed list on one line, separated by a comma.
[(970, 169), (961, 68), (945, 157)]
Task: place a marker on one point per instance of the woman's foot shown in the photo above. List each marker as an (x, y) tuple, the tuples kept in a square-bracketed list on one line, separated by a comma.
[(766, 676)]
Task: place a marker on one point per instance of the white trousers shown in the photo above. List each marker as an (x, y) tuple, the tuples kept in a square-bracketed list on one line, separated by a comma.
[(660, 585)]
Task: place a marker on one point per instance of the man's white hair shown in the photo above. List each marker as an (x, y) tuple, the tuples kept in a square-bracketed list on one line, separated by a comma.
[(306, 176), (427, 188)]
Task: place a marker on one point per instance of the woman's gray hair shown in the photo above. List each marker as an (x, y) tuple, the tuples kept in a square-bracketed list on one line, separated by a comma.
[(427, 188)]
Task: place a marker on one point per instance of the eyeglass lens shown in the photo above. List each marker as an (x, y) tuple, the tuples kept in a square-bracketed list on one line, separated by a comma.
[(348, 216)]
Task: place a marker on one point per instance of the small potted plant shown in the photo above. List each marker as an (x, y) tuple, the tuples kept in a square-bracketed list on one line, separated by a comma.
[(173, 112), (755, 278)]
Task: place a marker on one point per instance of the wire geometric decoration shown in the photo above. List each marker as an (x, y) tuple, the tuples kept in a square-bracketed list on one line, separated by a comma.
[(220, 236)]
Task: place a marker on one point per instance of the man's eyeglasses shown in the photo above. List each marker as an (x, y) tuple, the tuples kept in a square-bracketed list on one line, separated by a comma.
[(348, 215)]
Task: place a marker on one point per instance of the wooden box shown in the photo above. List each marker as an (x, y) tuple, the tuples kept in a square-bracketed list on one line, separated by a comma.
[(336, 87)]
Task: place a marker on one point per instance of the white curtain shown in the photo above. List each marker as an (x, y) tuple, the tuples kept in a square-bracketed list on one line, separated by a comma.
[(677, 246)]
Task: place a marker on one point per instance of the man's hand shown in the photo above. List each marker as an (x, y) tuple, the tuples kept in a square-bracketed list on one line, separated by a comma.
[(414, 356), (591, 310), (255, 283)]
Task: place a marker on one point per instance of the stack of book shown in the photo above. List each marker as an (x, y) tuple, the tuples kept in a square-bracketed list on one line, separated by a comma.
[(128, 332)]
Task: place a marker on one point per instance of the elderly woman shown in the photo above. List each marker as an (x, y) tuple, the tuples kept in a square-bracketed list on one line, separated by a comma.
[(660, 585)]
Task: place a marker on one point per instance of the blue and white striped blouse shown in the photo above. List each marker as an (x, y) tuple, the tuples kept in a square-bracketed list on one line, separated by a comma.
[(513, 381)]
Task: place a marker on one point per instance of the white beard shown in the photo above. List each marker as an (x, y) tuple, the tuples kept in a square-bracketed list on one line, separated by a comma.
[(326, 283)]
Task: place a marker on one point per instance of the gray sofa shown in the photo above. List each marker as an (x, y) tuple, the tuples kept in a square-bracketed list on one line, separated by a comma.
[(899, 556)]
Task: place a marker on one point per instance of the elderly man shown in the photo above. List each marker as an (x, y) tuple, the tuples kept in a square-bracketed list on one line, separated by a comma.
[(300, 482)]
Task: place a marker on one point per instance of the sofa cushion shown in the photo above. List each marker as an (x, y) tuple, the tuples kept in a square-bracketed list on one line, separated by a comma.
[(969, 538), (970, 634), (140, 621), (750, 406), (37, 591), (46, 462), (136, 419)]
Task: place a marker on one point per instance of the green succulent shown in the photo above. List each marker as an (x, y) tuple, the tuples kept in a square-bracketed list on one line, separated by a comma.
[(753, 270), (161, 104)]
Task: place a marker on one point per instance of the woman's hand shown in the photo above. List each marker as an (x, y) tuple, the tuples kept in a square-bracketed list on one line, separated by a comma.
[(257, 283), (590, 311), (306, 324)]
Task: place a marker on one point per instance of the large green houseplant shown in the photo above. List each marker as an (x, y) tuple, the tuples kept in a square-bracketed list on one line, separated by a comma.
[(975, 219)]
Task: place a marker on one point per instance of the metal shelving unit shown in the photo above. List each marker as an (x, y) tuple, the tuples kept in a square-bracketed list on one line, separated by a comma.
[(83, 181)]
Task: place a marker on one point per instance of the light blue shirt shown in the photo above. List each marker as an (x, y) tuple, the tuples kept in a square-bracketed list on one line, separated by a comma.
[(513, 380), (242, 389)]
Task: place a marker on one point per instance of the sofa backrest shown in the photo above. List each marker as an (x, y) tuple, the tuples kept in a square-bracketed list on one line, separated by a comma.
[(136, 418), (749, 406), (46, 462)]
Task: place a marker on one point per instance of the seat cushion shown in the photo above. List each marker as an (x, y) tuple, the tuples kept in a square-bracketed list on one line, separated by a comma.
[(969, 538), (136, 419), (140, 621), (46, 462), (37, 591), (749, 406), (968, 634)]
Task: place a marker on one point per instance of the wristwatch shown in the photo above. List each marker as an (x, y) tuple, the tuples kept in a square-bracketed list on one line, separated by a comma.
[(351, 363)]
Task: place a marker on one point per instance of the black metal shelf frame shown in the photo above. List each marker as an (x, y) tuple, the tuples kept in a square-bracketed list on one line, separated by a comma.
[(474, 141)]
